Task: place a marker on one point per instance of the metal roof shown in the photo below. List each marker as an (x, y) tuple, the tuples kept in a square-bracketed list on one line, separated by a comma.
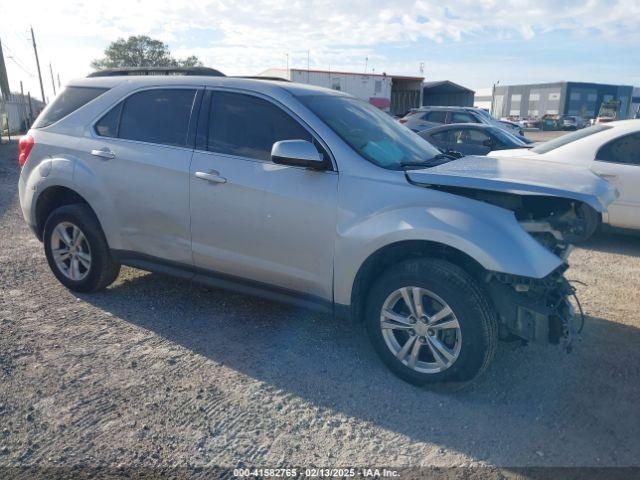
[(445, 86)]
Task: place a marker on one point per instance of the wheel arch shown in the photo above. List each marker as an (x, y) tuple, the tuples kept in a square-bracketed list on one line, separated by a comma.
[(53, 197), (391, 254)]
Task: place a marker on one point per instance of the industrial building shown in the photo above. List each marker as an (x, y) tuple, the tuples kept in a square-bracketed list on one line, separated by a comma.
[(444, 93), (559, 98), (394, 93)]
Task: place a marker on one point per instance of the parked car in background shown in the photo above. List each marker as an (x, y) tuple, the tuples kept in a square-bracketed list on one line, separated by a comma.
[(425, 118), (309, 196), (571, 122), (472, 138), (610, 150), (513, 127), (529, 123)]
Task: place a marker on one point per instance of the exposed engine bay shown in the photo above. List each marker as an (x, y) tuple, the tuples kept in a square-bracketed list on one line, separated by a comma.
[(555, 222)]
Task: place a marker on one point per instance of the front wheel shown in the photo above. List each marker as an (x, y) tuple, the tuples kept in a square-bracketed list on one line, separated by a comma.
[(591, 223), (430, 322)]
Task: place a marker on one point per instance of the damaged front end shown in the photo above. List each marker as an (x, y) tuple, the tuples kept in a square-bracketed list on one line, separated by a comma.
[(535, 310), (557, 204)]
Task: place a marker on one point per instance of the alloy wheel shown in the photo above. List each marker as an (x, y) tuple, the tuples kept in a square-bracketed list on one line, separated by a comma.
[(71, 251), (421, 330)]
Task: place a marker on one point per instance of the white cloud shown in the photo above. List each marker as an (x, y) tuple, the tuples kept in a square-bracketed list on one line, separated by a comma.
[(248, 36)]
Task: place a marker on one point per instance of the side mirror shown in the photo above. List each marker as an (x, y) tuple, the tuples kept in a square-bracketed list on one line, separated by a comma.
[(488, 143), (299, 153)]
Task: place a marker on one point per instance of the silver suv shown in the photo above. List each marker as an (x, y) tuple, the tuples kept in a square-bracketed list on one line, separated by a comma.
[(309, 196), (425, 118)]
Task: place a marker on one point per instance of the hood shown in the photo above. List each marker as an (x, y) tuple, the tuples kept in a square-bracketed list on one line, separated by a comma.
[(520, 176)]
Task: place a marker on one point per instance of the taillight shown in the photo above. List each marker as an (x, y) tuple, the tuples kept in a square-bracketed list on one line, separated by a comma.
[(25, 145), (402, 120)]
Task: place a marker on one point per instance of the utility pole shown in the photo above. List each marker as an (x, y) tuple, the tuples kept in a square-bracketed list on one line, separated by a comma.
[(53, 83), (308, 63), (24, 107), (35, 51), (59, 86), (493, 98), (366, 60), (30, 108), (4, 81)]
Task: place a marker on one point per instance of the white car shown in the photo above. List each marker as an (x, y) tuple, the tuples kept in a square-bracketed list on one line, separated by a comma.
[(610, 150)]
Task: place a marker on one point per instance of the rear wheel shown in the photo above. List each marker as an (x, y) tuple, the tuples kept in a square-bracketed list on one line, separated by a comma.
[(430, 322), (77, 251)]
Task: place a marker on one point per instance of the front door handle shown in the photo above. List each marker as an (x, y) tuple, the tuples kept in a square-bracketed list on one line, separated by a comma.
[(213, 177), (103, 153)]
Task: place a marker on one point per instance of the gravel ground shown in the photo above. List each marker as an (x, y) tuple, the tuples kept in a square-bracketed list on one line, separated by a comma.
[(156, 371), (538, 135)]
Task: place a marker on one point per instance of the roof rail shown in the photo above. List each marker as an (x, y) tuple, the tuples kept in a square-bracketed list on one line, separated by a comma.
[(257, 77), (115, 72)]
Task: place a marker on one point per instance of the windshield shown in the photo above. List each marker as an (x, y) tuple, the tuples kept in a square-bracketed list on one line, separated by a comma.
[(370, 132), (568, 138)]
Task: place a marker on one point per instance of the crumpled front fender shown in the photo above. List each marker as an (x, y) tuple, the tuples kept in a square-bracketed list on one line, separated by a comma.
[(490, 235)]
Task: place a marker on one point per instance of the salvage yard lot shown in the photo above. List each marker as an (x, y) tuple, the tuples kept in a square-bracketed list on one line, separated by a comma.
[(156, 371)]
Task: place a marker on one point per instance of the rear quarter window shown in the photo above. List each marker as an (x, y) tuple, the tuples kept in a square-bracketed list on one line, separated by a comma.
[(67, 102)]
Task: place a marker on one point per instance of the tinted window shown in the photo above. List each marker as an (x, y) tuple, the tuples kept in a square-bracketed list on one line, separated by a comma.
[(568, 138), (370, 132), (461, 117), (436, 117), (107, 126), (157, 116), (622, 150), (69, 100), (441, 136), (469, 136), (247, 126)]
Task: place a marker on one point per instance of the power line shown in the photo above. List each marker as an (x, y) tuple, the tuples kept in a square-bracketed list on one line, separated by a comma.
[(17, 60), (53, 82), (24, 69)]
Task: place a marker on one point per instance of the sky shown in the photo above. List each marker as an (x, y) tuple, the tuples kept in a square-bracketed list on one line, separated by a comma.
[(472, 42)]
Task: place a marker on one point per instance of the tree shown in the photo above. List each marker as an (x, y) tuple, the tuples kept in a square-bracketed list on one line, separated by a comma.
[(141, 51)]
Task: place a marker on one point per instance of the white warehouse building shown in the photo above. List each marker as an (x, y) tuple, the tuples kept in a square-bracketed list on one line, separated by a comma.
[(394, 93)]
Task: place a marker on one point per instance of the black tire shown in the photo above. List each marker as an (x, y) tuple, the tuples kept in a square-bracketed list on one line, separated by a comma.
[(103, 270), (592, 222), (476, 318)]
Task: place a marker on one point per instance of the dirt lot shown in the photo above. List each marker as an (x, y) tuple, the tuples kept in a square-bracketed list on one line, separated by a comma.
[(155, 371), (540, 136)]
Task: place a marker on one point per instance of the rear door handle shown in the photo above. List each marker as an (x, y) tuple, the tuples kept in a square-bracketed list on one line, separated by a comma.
[(103, 153), (213, 177)]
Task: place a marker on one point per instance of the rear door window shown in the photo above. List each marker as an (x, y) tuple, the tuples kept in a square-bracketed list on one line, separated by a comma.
[(436, 117), (107, 126), (68, 101), (625, 150), (441, 136), (462, 117), (470, 136), (156, 116), (247, 126)]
